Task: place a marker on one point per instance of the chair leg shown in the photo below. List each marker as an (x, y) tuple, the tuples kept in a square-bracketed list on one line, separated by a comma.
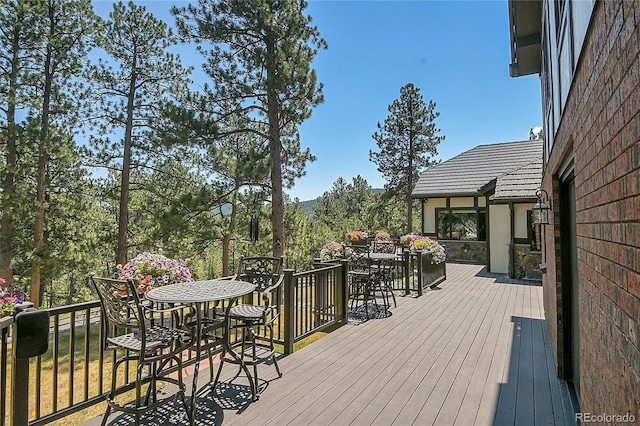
[(395, 305), (182, 386), (366, 304), (254, 358), (272, 348), (106, 415), (242, 349), (151, 389), (139, 384), (210, 360), (275, 363), (213, 384)]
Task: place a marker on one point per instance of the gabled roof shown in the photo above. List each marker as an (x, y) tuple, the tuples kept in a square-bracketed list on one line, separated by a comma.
[(513, 168), (520, 183)]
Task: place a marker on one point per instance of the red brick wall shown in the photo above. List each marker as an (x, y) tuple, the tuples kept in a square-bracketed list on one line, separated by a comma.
[(600, 127)]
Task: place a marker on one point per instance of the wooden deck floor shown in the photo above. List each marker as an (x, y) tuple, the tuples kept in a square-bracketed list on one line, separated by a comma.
[(474, 351)]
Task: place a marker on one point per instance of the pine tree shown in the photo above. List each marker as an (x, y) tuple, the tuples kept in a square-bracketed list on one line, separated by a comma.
[(131, 86), (259, 56), (66, 26), (408, 140), (18, 41)]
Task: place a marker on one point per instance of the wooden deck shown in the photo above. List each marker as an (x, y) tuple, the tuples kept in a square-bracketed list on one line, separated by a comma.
[(473, 351)]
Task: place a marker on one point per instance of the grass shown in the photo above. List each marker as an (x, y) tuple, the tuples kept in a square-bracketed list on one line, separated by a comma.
[(96, 380)]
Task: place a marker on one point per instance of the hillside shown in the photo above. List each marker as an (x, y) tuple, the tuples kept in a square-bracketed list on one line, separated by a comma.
[(308, 205)]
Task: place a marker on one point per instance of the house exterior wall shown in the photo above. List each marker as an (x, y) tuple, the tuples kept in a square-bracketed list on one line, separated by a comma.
[(526, 263), (520, 219), (462, 202), (465, 250), (429, 218), (499, 237), (597, 126)]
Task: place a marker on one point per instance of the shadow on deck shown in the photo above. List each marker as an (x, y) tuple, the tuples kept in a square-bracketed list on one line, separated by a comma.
[(474, 352)]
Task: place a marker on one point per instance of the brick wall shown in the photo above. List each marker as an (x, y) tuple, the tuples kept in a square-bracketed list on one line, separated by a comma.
[(600, 127)]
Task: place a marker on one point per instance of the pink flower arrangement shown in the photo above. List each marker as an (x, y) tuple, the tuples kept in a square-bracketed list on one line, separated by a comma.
[(149, 270), (332, 250), (8, 300)]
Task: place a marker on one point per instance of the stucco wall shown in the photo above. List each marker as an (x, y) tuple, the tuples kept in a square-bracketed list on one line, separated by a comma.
[(499, 230), (429, 219), (520, 219)]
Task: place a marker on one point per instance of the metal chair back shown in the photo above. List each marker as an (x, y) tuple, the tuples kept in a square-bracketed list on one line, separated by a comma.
[(120, 303)]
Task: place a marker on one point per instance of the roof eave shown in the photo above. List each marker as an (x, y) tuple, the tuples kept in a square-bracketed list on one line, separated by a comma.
[(525, 23), (506, 200), (446, 194)]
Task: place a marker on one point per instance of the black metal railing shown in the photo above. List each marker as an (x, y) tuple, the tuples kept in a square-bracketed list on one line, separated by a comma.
[(314, 301), (75, 372), (406, 272), (5, 327)]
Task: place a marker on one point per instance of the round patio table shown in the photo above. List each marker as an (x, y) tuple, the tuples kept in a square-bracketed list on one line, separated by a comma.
[(196, 293), (382, 256)]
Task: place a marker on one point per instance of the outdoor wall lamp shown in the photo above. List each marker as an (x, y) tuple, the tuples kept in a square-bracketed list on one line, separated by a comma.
[(540, 213)]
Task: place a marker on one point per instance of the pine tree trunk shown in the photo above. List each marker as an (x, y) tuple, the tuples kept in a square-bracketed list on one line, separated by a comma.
[(275, 151), (41, 182), (123, 218), (9, 185), (410, 171)]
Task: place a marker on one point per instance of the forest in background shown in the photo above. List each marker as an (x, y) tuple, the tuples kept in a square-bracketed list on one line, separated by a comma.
[(111, 154)]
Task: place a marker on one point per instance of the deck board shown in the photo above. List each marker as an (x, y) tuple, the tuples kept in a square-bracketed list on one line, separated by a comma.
[(474, 351)]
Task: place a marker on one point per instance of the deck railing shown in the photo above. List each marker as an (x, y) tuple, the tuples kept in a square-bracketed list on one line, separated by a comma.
[(409, 272), (75, 372)]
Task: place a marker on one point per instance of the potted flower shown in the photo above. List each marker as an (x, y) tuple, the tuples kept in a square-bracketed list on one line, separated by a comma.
[(8, 300), (149, 270), (382, 243), (427, 245), (408, 239), (355, 237), (382, 235), (331, 250), (431, 261)]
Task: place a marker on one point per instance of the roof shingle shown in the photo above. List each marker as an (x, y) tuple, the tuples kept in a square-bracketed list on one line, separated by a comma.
[(516, 168)]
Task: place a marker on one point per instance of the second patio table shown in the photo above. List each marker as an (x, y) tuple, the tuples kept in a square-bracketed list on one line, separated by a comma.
[(196, 293)]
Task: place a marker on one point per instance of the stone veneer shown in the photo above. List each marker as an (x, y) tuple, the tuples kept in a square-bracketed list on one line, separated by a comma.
[(527, 263), (475, 251)]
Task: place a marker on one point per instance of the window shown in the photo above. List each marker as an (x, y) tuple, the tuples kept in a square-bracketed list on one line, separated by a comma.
[(560, 7), (533, 232), (462, 224)]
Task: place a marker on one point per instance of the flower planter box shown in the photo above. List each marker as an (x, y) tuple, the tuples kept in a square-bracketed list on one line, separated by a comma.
[(430, 275)]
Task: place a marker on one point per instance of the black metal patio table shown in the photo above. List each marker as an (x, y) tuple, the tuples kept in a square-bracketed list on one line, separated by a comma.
[(382, 256), (197, 293)]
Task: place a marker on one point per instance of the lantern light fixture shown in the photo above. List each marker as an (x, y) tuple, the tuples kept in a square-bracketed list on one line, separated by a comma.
[(540, 214)]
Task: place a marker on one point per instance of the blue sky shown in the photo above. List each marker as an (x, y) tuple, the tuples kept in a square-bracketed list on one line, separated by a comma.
[(457, 53)]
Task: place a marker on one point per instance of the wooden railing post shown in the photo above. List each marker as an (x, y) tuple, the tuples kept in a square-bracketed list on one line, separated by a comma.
[(343, 291), (289, 311), (419, 260), (407, 258)]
